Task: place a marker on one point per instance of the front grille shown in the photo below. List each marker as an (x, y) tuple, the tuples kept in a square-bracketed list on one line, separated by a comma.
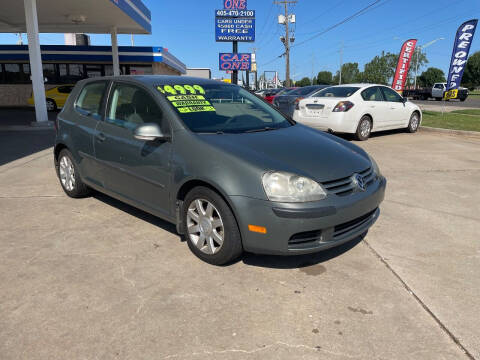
[(346, 186), (341, 229), (305, 238)]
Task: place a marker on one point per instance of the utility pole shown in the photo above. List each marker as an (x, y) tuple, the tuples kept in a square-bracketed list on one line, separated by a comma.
[(132, 40), (313, 67), (286, 40), (341, 64)]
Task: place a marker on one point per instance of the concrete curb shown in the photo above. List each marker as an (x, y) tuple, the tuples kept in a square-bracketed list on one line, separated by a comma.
[(473, 134)]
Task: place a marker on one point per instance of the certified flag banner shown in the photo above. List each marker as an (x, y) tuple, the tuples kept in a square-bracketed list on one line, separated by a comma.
[(461, 48), (403, 65)]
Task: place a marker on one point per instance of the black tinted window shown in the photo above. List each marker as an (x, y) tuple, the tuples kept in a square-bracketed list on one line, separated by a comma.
[(372, 94), (65, 89), (90, 98), (337, 91)]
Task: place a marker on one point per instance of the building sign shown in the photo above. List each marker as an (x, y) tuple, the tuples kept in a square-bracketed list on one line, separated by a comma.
[(461, 48), (403, 65), (230, 61), (235, 13), (235, 4), (234, 29)]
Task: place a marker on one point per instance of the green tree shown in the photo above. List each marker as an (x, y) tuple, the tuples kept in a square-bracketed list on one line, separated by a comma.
[(431, 76), (306, 81), (381, 68), (350, 74), (471, 76), (324, 78)]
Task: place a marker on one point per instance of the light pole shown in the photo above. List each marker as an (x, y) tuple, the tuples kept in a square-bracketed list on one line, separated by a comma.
[(420, 48)]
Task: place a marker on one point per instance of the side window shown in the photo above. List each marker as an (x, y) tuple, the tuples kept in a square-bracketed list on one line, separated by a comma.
[(131, 106), (372, 94), (391, 95), (89, 102), (439, 86)]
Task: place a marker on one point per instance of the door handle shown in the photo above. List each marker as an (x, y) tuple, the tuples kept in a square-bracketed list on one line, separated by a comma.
[(372, 106), (101, 137)]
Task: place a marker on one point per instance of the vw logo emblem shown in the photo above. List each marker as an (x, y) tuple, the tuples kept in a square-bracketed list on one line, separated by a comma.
[(359, 182)]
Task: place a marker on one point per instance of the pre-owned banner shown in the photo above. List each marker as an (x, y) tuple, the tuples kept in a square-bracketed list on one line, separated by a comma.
[(403, 65), (461, 48)]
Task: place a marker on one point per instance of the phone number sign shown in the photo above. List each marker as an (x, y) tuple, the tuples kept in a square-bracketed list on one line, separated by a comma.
[(234, 29)]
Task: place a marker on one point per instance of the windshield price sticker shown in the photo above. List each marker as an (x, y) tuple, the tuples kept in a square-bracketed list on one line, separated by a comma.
[(191, 103), (185, 98), (192, 109), (181, 89)]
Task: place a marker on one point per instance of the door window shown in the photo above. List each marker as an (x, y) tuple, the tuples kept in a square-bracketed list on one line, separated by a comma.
[(391, 95), (131, 106), (372, 94), (89, 101)]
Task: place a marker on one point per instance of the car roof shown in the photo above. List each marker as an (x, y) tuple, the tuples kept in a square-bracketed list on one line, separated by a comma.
[(360, 85), (159, 80)]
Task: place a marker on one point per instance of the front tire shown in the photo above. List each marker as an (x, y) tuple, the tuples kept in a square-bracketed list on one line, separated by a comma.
[(210, 227), (414, 123), (69, 176), (364, 128)]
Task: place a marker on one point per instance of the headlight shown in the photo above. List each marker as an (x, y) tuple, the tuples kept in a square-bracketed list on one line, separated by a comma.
[(287, 187), (375, 167)]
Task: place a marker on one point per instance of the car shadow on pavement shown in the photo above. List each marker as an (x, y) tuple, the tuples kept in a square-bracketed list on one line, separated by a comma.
[(351, 137), (269, 261), (140, 214), (300, 261)]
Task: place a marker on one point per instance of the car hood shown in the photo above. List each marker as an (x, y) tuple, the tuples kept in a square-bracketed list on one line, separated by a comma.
[(297, 149)]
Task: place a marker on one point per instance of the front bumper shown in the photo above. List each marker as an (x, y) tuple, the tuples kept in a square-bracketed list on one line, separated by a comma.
[(307, 227)]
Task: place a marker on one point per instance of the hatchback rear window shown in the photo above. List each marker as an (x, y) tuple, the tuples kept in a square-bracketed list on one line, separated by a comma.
[(337, 91)]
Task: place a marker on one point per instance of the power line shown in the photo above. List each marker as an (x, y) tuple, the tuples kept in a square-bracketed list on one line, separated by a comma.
[(351, 17)]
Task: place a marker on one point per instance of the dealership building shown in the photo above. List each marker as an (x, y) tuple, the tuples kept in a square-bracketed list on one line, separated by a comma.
[(33, 68), (66, 64)]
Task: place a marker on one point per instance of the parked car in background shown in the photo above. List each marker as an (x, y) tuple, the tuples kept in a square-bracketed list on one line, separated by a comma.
[(358, 109), (55, 97), (287, 102), (436, 92), (269, 95), (229, 170)]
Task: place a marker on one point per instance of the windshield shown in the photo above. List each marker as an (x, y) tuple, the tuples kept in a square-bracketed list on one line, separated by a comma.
[(302, 91), (222, 108), (337, 91)]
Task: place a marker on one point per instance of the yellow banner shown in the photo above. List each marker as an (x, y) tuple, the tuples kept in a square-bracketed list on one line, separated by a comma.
[(452, 94)]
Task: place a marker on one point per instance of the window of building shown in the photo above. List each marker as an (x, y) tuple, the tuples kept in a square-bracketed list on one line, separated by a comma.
[(141, 70), (49, 73)]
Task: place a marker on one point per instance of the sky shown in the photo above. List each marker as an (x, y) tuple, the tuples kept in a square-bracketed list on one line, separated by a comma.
[(186, 28)]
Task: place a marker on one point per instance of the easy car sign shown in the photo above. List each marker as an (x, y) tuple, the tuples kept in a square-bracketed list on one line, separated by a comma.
[(235, 4), (234, 29), (461, 48), (230, 61)]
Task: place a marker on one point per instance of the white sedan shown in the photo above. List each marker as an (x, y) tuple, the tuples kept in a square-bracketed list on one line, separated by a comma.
[(358, 109)]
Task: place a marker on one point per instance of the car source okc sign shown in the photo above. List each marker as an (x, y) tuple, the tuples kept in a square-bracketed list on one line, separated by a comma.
[(230, 61), (235, 22)]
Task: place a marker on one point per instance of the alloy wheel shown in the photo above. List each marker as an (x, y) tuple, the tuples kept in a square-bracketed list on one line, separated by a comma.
[(67, 173), (205, 226)]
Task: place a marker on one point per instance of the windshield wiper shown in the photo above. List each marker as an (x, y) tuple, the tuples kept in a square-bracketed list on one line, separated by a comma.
[(267, 128)]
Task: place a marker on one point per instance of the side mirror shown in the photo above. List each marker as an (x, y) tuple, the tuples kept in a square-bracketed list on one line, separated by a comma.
[(149, 132), (404, 99)]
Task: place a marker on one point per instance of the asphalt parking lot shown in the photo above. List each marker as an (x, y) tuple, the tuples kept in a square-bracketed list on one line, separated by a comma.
[(97, 279)]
